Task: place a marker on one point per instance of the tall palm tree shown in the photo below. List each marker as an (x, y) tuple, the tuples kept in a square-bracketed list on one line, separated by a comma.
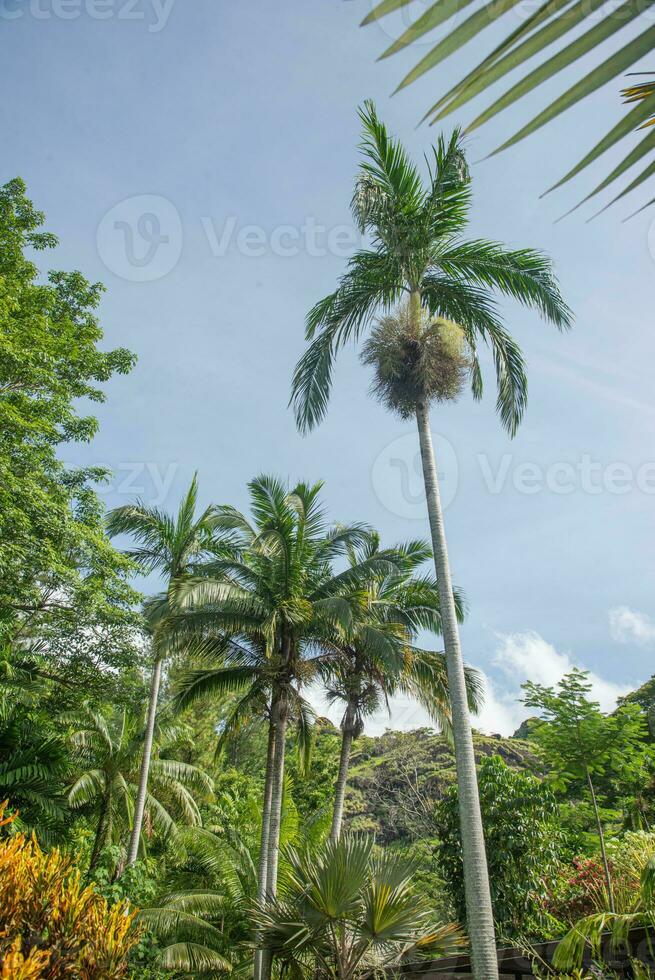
[(173, 547), (108, 754), (267, 621), (379, 658), (445, 283)]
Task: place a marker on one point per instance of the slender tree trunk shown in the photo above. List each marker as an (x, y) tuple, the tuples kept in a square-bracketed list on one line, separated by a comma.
[(342, 778), (476, 877), (280, 711), (145, 764), (100, 836), (279, 714), (601, 838), (262, 871)]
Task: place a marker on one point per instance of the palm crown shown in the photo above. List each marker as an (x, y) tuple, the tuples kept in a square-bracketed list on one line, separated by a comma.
[(415, 227), (108, 751), (169, 545), (378, 656), (269, 610)]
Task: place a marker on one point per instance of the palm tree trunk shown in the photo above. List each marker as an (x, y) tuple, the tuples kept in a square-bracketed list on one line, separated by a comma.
[(100, 836), (342, 779), (145, 764), (262, 871), (476, 877), (601, 838), (279, 712)]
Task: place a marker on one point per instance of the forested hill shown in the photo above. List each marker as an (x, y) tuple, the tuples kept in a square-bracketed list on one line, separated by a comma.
[(398, 777)]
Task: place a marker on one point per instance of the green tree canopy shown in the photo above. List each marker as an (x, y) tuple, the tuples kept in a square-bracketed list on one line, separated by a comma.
[(523, 845), (54, 555), (583, 746)]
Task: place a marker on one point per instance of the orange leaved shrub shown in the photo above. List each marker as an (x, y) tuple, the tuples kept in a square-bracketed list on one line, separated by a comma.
[(51, 926)]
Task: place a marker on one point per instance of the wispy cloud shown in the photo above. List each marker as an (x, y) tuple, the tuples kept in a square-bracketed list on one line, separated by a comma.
[(630, 626), (520, 657)]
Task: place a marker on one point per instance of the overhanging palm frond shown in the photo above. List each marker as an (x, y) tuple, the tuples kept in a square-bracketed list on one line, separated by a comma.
[(553, 21)]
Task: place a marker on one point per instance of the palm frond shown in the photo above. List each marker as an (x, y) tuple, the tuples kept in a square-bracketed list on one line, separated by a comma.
[(552, 21)]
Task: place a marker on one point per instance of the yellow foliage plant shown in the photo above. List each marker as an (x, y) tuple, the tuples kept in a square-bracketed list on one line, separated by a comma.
[(51, 926)]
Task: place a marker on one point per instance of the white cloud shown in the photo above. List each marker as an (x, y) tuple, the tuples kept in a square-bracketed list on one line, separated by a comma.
[(527, 656), (520, 657), (629, 626)]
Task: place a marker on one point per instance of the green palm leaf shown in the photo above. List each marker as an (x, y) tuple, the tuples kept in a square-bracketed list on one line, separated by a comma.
[(195, 959)]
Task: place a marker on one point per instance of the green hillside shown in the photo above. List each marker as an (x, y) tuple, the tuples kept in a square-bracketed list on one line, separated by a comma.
[(398, 777)]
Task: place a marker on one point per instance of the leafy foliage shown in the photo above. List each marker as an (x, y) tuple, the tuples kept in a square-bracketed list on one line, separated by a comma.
[(55, 559), (523, 844), (50, 925), (346, 910), (34, 766), (590, 932)]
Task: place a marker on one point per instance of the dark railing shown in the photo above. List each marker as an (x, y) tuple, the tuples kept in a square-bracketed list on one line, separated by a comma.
[(519, 964)]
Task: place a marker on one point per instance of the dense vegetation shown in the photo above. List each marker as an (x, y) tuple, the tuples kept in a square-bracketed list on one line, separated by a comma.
[(191, 815)]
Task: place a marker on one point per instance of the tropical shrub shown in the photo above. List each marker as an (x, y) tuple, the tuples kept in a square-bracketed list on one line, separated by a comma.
[(33, 767), (346, 910), (202, 917), (578, 890), (51, 926), (605, 929), (523, 845)]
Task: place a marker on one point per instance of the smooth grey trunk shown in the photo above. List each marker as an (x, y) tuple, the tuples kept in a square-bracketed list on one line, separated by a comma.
[(279, 715), (601, 838), (142, 791), (479, 910), (280, 727), (262, 871), (342, 778)]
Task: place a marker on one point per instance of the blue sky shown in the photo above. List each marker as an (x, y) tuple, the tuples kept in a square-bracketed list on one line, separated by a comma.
[(198, 158)]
